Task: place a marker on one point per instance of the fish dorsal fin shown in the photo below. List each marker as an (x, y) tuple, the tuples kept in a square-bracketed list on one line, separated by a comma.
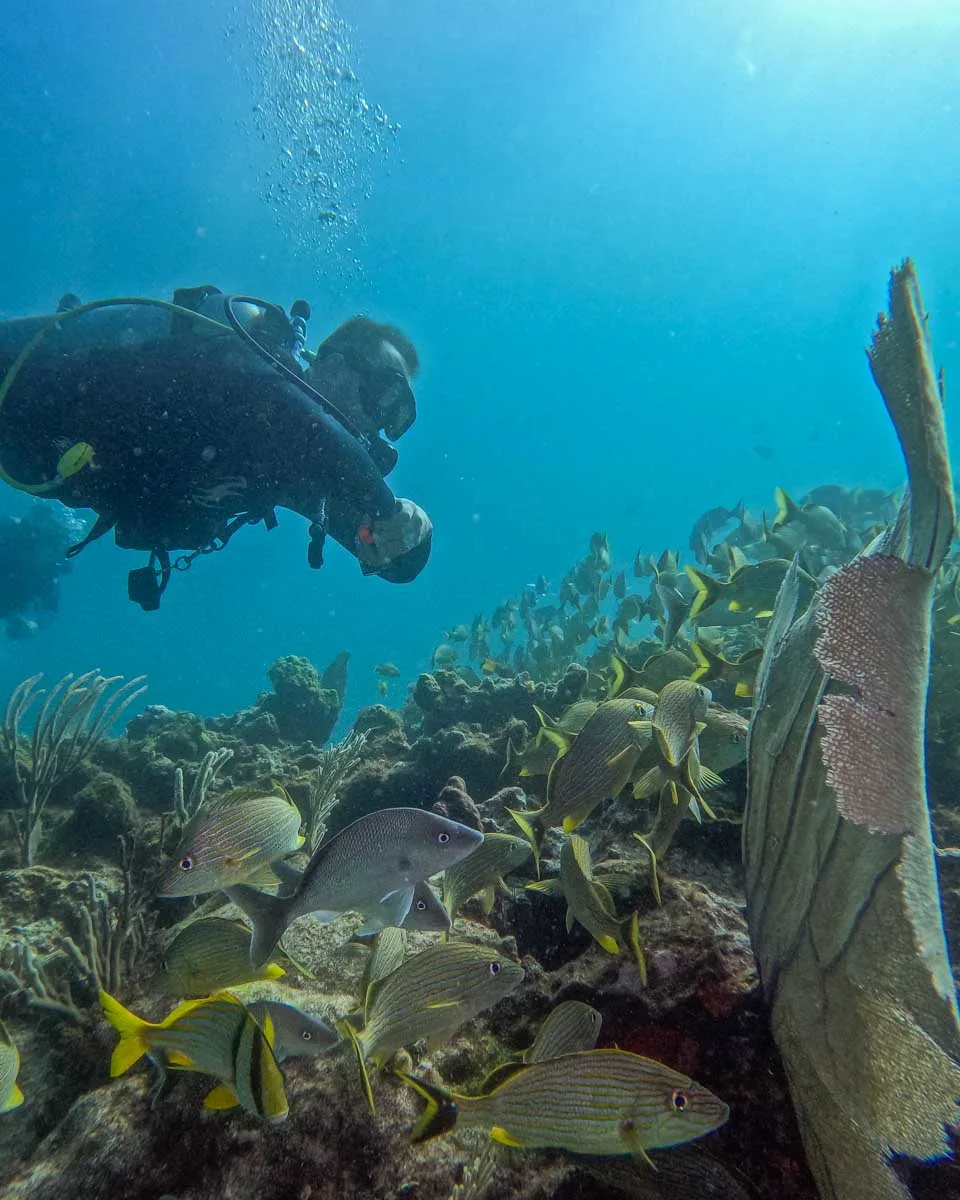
[(604, 898), (648, 784), (580, 849)]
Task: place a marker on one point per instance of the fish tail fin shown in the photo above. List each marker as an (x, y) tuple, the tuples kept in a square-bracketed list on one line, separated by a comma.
[(348, 1031), (269, 916), (618, 677), (440, 1115), (787, 509), (708, 590), (132, 1045), (709, 665), (529, 831)]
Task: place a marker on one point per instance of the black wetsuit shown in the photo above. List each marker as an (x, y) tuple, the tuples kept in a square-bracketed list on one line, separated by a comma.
[(189, 428)]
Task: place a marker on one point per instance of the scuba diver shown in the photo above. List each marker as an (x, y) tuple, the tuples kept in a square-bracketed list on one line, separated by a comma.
[(33, 552), (179, 423)]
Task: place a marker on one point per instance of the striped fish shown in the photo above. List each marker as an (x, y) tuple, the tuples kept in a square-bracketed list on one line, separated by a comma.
[(386, 954), (594, 766), (211, 954), (483, 871), (588, 900), (568, 1028), (232, 839), (571, 1026), (10, 1094), (593, 1102), (429, 997), (215, 1037)]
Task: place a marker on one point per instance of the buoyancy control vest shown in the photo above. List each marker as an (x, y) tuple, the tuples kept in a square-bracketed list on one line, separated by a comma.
[(178, 423)]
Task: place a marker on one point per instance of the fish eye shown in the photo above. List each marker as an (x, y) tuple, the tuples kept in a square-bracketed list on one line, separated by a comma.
[(494, 968), (679, 1100), (186, 863), (307, 1035), (421, 906), (443, 838)]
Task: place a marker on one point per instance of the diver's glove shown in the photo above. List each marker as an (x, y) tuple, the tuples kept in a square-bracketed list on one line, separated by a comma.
[(391, 540)]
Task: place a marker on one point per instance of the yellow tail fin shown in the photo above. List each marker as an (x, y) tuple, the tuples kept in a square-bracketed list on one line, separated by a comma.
[(132, 1045)]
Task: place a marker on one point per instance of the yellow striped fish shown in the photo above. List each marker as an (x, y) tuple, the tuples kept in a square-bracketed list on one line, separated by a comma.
[(211, 954), (588, 899), (594, 1102), (428, 998), (568, 1028), (231, 839), (483, 871), (215, 1037), (10, 1094)]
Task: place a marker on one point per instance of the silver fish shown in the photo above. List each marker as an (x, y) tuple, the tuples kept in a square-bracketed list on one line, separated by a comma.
[(296, 1033), (371, 867)]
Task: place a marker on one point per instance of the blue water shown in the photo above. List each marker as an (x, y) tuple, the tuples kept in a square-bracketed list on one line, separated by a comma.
[(640, 247)]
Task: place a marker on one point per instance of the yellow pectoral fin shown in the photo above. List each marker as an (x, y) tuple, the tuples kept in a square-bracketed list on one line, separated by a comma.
[(735, 606), (499, 1134), (273, 971), (764, 614), (176, 1058), (220, 1098), (16, 1097), (610, 944), (743, 690)]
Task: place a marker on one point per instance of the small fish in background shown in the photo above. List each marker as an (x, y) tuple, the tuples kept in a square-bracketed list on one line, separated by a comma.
[(541, 586), (382, 687), (371, 867), (444, 655), (600, 551), (428, 998), (593, 1102), (231, 838), (217, 1037), (678, 719), (427, 913), (10, 1094), (737, 674), (458, 634), (334, 676), (568, 1028), (818, 523), (589, 902), (594, 766), (211, 954), (483, 872), (708, 525), (387, 670), (296, 1034), (749, 592)]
